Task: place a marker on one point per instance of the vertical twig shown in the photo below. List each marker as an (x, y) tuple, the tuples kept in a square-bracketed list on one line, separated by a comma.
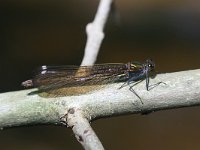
[(95, 33), (80, 125)]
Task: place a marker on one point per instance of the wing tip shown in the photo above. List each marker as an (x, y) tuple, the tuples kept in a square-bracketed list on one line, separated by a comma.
[(27, 83)]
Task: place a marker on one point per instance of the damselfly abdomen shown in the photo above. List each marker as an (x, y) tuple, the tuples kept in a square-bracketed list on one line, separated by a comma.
[(74, 80)]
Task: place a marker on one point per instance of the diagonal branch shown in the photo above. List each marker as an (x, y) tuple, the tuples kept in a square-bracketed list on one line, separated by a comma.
[(82, 130), (182, 89)]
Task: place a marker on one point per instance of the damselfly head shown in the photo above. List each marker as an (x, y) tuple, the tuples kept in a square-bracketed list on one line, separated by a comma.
[(150, 65)]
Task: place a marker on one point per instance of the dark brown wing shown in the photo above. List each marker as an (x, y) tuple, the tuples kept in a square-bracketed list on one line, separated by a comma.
[(54, 77)]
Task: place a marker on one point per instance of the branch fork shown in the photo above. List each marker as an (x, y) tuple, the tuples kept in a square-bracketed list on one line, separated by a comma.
[(19, 108), (80, 125)]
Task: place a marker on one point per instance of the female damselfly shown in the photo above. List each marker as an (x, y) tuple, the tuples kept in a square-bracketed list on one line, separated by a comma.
[(59, 80)]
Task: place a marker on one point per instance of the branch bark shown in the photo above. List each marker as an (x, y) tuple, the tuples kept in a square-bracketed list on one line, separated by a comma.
[(95, 33), (82, 130), (182, 89)]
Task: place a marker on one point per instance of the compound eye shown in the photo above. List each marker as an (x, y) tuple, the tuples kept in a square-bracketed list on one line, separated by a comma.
[(151, 66)]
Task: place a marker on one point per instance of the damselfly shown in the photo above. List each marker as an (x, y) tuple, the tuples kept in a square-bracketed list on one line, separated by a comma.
[(73, 80)]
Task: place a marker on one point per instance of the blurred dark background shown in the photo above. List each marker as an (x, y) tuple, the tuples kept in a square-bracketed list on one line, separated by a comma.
[(46, 32)]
